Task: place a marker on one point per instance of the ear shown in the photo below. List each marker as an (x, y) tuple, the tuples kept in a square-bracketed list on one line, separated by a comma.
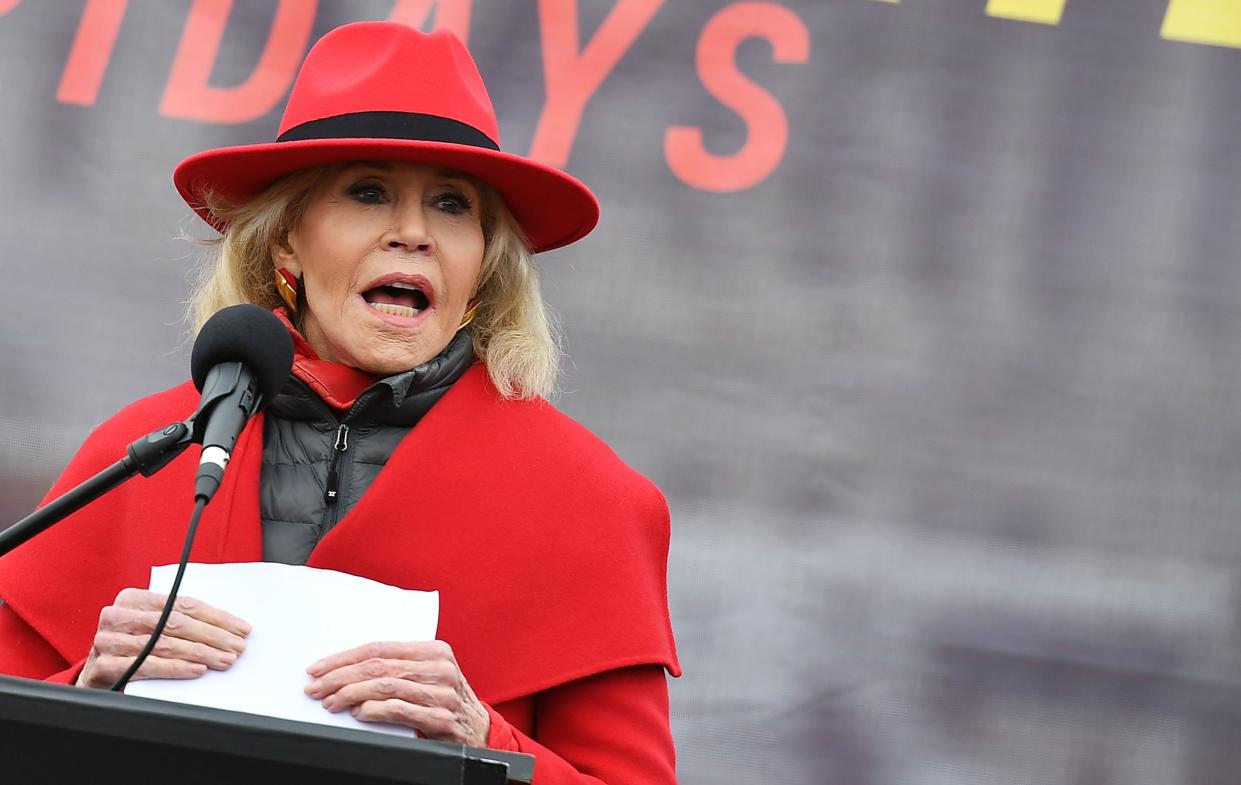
[(283, 255)]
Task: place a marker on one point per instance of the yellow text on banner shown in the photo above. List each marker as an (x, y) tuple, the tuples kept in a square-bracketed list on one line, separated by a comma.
[(1215, 22), (1046, 12)]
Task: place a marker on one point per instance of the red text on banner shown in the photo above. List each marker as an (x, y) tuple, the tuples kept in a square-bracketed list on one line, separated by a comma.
[(767, 126), (188, 95), (91, 51), (572, 77)]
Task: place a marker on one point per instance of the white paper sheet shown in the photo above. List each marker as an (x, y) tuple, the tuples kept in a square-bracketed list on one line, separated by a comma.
[(298, 615)]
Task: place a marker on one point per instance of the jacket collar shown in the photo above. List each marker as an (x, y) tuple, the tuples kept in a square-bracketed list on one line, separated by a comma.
[(348, 390)]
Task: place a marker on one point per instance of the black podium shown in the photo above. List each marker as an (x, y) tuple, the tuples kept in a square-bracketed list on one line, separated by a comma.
[(50, 733)]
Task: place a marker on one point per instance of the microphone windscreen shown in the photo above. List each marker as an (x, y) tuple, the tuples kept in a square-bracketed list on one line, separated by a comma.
[(249, 335)]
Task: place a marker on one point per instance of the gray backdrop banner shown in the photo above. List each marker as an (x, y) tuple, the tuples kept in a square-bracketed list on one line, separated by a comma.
[(925, 315)]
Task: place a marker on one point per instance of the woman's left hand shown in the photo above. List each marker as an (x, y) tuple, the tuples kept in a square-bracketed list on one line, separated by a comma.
[(417, 684)]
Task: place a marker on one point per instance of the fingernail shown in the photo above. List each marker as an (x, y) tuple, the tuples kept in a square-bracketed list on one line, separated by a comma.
[(329, 704), (312, 688), (314, 668), (227, 658)]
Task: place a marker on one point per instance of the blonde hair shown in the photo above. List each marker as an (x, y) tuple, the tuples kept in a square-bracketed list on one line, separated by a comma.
[(513, 331)]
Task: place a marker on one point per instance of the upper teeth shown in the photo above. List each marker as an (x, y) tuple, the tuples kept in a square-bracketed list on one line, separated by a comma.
[(403, 285)]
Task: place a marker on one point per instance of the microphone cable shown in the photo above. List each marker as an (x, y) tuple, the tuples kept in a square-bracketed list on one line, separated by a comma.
[(241, 359), (121, 683)]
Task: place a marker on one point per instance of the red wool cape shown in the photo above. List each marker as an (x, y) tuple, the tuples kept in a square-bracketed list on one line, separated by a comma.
[(549, 553)]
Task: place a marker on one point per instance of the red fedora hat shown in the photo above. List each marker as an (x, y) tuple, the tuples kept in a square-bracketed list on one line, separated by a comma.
[(385, 91)]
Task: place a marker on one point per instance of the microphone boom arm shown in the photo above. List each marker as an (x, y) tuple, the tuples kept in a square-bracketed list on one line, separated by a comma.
[(145, 456)]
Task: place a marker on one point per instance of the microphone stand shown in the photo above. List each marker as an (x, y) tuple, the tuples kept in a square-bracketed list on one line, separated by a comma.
[(146, 455)]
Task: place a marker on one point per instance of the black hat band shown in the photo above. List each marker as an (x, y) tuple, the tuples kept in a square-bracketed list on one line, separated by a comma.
[(390, 125)]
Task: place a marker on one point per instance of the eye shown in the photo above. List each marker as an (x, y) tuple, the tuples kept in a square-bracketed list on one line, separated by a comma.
[(368, 193), (453, 202)]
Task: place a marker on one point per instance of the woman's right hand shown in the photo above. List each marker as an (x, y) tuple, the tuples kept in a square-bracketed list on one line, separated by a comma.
[(196, 637)]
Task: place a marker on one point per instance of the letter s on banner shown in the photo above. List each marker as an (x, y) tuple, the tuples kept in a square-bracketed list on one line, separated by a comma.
[(766, 123)]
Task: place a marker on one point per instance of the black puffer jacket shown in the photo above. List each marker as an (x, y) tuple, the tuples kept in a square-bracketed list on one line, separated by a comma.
[(316, 465)]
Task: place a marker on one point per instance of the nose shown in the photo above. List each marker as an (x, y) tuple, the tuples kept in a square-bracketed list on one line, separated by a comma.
[(409, 231)]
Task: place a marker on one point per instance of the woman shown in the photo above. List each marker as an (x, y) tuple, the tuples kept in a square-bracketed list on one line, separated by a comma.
[(405, 448)]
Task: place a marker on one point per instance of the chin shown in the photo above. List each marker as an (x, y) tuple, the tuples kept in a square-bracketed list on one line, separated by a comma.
[(381, 350), (385, 365), (391, 367), (386, 360)]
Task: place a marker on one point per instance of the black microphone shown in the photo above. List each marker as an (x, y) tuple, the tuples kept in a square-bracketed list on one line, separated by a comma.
[(241, 359)]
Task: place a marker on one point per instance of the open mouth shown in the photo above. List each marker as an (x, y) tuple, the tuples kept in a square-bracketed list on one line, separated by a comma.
[(398, 298)]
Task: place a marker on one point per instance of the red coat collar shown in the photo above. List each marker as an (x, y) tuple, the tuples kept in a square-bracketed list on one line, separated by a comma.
[(548, 552)]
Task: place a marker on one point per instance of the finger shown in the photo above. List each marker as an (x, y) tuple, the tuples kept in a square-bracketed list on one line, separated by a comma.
[(136, 622), (423, 671), (121, 644), (109, 668), (395, 650), (142, 599), (430, 695), (432, 722)]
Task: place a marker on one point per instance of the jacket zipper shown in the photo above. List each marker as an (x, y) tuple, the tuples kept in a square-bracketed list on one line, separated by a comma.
[(339, 465), (332, 488)]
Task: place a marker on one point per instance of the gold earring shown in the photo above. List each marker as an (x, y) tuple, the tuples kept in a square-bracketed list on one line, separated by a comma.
[(469, 314), (286, 287)]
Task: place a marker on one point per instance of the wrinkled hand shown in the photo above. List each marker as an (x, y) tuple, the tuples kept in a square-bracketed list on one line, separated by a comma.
[(196, 637), (415, 684)]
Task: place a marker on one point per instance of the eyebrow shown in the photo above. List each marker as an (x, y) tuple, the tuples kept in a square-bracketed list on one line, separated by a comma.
[(384, 166)]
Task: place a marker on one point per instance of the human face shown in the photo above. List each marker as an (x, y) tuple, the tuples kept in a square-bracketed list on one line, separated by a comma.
[(389, 254)]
